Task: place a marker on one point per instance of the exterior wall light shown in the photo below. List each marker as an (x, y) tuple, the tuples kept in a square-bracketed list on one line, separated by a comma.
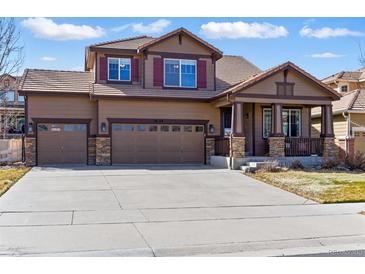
[(211, 128), (30, 127), (103, 127)]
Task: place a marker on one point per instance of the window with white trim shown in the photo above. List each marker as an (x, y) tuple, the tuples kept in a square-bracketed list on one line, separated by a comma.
[(344, 88), (119, 69), (180, 73), (291, 122)]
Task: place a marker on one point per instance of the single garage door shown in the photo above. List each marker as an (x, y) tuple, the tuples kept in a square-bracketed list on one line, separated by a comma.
[(157, 144), (62, 144)]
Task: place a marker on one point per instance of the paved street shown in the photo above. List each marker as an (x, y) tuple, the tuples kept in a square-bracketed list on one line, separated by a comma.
[(167, 211)]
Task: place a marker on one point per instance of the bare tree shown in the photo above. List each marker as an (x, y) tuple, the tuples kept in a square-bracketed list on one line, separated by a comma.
[(11, 60)]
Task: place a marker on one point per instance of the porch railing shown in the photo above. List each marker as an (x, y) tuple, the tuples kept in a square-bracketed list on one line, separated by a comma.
[(303, 146), (222, 146)]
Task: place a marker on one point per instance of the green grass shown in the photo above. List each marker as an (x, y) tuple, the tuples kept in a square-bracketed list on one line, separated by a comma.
[(320, 186), (10, 176)]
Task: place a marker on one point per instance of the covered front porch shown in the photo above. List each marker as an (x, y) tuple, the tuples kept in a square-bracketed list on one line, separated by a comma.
[(270, 116)]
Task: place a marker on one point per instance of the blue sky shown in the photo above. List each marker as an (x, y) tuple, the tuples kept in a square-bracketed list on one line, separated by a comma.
[(321, 46)]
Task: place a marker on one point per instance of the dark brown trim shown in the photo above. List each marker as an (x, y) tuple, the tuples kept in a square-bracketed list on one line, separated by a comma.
[(253, 129), (97, 72), (113, 50), (177, 55), (118, 56), (150, 98), (288, 97), (144, 69), (215, 72), (26, 115), (119, 82), (310, 122), (157, 121), (179, 88)]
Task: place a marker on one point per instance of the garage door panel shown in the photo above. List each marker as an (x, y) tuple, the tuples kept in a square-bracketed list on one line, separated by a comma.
[(62, 143), (156, 144)]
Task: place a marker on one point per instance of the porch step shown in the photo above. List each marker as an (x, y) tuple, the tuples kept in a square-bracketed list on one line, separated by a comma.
[(252, 166)]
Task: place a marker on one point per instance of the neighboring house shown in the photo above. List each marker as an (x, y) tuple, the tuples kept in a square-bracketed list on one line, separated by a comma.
[(171, 99), (348, 113), (11, 106)]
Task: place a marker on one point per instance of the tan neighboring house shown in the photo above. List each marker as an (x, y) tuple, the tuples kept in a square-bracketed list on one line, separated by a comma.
[(349, 112), (11, 106), (174, 99)]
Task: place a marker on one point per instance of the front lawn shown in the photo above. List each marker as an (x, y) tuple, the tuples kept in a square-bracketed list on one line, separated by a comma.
[(10, 176), (320, 186)]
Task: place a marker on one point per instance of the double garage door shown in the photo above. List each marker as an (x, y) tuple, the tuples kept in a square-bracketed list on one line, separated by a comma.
[(157, 144), (59, 143)]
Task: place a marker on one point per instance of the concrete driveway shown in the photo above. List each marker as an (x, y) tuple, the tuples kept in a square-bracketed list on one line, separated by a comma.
[(166, 211)]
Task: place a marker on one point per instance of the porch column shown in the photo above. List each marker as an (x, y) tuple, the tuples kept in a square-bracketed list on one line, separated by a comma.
[(276, 138), (237, 142), (330, 149)]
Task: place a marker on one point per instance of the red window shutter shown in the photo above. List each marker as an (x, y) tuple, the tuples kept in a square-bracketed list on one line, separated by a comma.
[(202, 74), (157, 72), (103, 68), (135, 69)]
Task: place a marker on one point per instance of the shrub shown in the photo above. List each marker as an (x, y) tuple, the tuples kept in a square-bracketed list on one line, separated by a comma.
[(296, 165), (330, 164), (356, 162), (270, 166)]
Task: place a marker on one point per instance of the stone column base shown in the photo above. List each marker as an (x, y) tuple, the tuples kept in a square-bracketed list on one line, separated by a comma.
[(30, 151), (209, 149), (276, 146), (237, 146), (91, 151), (102, 145), (330, 149)]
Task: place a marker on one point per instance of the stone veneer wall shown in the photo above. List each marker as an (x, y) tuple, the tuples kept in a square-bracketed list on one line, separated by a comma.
[(91, 151), (30, 151), (209, 149), (237, 146), (276, 146), (330, 148), (103, 151)]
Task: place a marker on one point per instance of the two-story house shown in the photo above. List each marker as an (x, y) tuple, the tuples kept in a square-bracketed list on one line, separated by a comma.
[(349, 112), (171, 100), (11, 106)]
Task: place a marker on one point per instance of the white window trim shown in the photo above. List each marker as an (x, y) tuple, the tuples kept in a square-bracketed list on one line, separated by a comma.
[(180, 86), (130, 69), (289, 124), (343, 85)]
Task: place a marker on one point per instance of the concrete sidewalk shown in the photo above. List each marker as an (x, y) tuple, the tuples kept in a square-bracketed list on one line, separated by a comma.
[(167, 211)]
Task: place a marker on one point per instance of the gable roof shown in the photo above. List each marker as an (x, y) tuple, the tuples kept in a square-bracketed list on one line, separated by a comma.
[(128, 43), (267, 73), (346, 75), (181, 31), (351, 101)]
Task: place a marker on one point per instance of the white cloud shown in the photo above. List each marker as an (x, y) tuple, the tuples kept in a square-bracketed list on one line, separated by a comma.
[(154, 27), (48, 58), (326, 55), (327, 32), (239, 29), (48, 29)]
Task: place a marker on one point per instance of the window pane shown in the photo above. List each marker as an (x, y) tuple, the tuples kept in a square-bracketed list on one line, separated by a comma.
[(125, 68), (267, 123), (294, 123), (172, 71), (20, 98), (188, 73), (141, 128), (175, 128), (10, 96), (285, 113), (113, 68), (152, 128), (69, 128), (42, 128), (199, 129), (164, 128), (188, 128)]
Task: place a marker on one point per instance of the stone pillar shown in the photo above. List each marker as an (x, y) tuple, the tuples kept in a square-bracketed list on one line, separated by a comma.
[(276, 146), (102, 151), (91, 151), (330, 148), (237, 146), (209, 149), (30, 151)]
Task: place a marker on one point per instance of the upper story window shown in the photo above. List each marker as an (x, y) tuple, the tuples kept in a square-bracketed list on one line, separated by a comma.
[(119, 69), (7, 96), (344, 88), (180, 73), (20, 98)]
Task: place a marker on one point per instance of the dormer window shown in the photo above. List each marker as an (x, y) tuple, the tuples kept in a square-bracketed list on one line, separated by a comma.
[(344, 88), (180, 73), (119, 69)]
